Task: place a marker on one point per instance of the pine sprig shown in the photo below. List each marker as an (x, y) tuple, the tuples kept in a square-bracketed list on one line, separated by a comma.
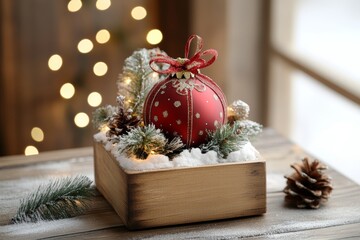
[(173, 148), (102, 115), (139, 142), (61, 198), (230, 137), (224, 140), (138, 78), (249, 128)]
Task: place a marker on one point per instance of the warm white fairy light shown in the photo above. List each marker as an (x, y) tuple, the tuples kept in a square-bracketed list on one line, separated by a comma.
[(31, 150), (154, 36), (94, 99), (55, 62), (102, 36), (85, 45), (100, 69), (37, 134), (127, 80), (103, 4), (104, 128), (138, 13), (74, 5), (81, 120), (67, 90)]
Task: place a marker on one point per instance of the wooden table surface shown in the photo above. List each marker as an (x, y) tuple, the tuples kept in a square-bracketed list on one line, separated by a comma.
[(339, 218)]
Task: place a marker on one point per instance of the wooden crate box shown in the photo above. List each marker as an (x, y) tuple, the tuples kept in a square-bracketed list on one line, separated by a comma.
[(152, 198)]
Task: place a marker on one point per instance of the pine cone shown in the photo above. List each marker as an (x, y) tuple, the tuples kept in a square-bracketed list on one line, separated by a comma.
[(123, 120), (307, 187)]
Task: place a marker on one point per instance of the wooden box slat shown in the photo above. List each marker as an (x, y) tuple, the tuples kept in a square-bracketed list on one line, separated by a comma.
[(145, 199)]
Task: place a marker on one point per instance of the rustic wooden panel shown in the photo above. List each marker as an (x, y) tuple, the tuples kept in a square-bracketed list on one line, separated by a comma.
[(8, 59), (113, 184), (149, 199), (18, 160)]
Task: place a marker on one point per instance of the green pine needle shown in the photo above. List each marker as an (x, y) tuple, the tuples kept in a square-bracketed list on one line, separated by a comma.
[(60, 198), (228, 138), (142, 141), (137, 78), (249, 128), (102, 115)]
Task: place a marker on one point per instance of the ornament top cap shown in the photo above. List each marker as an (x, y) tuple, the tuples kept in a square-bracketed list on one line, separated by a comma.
[(185, 66)]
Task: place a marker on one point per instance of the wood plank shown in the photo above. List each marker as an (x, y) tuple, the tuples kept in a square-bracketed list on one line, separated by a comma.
[(18, 160), (348, 231), (9, 58)]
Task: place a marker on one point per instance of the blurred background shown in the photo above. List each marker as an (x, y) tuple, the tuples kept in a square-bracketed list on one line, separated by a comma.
[(296, 63)]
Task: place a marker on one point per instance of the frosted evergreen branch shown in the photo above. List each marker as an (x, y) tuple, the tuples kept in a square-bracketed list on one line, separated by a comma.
[(102, 115), (138, 78), (173, 148), (224, 140), (60, 198), (230, 137), (142, 141), (249, 128)]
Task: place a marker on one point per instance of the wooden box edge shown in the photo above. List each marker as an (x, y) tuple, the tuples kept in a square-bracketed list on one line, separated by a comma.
[(128, 207)]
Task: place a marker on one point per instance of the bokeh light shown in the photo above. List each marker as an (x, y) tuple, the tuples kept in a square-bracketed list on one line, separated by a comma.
[(67, 90), (31, 150), (94, 99), (100, 69), (138, 13), (127, 80), (81, 120), (103, 36), (37, 134), (85, 46), (154, 36), (55, 62), (74, 5), (103, 4)]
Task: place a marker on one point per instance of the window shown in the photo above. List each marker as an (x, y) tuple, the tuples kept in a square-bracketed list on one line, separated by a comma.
[(315, 78)]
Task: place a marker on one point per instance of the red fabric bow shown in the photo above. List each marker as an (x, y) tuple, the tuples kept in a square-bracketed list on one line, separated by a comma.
[(185, 64)]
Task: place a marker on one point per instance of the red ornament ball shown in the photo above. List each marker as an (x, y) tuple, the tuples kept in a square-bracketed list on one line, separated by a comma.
[(186, 108)]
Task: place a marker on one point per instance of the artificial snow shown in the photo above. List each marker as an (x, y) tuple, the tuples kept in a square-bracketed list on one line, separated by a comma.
[(246, 153), (187, 158), (194, 157), (100, 137), (152, 162)]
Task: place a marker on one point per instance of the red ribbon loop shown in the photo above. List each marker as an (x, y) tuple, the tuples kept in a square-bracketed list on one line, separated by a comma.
[(192, 65)]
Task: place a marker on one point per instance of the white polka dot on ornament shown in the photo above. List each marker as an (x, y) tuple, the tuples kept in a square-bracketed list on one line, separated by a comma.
[(177, 103)]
